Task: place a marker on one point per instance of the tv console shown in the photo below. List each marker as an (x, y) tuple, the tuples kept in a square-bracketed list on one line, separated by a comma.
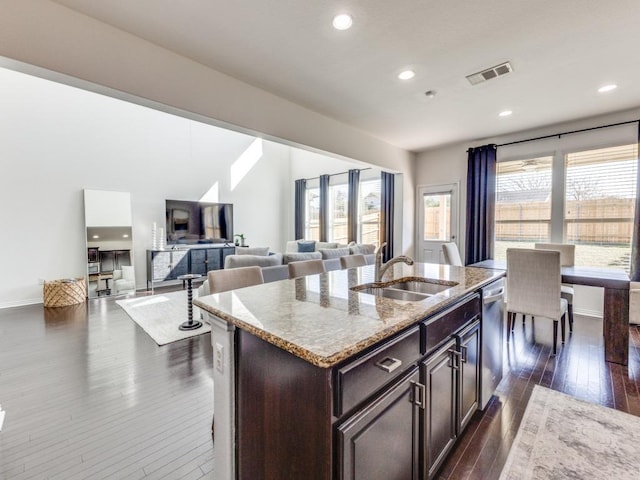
[(165, 266)]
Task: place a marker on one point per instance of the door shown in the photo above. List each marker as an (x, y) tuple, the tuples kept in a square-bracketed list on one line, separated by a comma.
[(382, 439), (437, 220)]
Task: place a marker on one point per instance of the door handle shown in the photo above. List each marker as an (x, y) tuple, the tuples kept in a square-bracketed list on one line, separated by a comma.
[(463, 353)]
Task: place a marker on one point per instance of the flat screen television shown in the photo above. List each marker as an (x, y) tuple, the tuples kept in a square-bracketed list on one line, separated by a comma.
[(198, 222)]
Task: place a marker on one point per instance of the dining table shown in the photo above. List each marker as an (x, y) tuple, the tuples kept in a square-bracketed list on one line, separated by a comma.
[(615, 317)]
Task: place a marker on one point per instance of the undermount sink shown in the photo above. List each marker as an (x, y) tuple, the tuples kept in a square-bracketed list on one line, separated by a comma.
[(409, 289), (422, 286), (393, 293)]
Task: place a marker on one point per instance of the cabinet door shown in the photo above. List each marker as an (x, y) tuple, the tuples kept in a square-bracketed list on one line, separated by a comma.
[(199, 261), (179, 263), (469, 394), (381, 440), (440, 380), (160, 266), (214, 260)]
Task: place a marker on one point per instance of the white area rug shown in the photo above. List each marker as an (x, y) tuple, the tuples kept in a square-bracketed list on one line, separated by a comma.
[(160, 316), (561, 437)]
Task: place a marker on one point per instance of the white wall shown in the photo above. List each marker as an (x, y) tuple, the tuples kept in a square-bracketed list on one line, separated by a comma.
[(449, 164), (57, 140)]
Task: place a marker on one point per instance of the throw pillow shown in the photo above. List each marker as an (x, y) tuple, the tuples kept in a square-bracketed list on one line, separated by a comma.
[(305, 246), (333, 252), (262, 251)]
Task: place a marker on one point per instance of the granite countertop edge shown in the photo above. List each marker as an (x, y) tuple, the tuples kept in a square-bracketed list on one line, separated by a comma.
[(324, 361)]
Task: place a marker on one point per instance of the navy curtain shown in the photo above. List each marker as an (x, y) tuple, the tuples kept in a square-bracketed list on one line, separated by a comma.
[(481, 203), (352, 206), (324, 207), (634, 273), (386, 214), (300, 204)]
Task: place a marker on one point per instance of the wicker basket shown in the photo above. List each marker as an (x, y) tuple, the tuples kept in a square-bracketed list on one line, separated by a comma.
[(62, 293)]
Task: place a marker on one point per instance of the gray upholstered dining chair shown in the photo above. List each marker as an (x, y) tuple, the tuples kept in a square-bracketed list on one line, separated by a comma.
[(533, 287), (451, 254), (232, 278), (353, 261), (305, 267), (567, 259)]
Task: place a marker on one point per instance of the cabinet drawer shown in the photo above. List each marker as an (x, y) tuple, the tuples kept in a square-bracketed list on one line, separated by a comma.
[(439, 328), (357, 380)]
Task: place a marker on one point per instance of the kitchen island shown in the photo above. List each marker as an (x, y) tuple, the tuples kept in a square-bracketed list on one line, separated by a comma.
[(327, 376)]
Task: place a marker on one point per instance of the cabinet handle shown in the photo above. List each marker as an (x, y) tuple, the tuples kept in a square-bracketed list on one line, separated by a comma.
[(463, 353), (419, 397), (389, 364), (452, 362)]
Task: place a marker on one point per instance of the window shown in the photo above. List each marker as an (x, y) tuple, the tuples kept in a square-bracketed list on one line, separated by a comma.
[(338, 209), (599, 203), (369, 211), (593, 205), (437, 216), (523, 204), (312, 212)]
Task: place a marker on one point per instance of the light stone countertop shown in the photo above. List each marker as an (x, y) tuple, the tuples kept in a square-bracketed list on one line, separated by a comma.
[(319, 319)]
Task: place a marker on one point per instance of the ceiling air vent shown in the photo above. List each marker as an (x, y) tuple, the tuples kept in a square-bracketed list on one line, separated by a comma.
[(490, 73)]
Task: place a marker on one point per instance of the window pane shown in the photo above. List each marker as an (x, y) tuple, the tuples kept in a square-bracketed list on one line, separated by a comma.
[(369, 211), (523, 204), (600, 191), (437, 217), (338, 212), (312, 214)]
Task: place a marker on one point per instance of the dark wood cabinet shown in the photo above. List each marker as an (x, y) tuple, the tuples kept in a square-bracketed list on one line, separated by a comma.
[(439, 416), (386, 428), (451, 377), (393, 411), (469, 374)]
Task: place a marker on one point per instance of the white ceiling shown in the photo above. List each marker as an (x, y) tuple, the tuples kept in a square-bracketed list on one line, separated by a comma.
[(561, 52)]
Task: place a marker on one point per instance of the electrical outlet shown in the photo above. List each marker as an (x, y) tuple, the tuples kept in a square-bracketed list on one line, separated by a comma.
[(218, 358)]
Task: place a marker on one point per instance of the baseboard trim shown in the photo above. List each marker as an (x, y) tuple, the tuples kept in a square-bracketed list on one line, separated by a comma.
[(587, 313), (21, 303)]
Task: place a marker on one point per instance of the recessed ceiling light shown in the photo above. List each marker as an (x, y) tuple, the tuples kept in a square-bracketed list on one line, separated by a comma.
[(607, 88), (406, 75), (342, 21), (505, 113), (125, 236), (96, 236)]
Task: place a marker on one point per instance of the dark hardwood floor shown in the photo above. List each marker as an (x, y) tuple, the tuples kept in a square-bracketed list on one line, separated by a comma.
[(579, 370), (89, 395)]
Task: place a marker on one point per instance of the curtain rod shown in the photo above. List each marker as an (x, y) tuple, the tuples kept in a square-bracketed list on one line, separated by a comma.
[(567, 133), (341, 173)]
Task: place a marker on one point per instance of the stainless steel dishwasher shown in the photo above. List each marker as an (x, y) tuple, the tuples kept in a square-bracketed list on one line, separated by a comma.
[(492, 339)]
